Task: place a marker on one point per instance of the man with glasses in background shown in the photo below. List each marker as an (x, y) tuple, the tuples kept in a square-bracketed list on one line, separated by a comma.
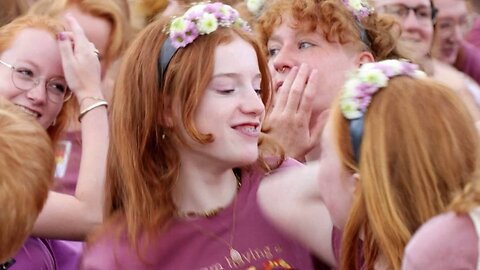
[(449, 44), (419, 20)]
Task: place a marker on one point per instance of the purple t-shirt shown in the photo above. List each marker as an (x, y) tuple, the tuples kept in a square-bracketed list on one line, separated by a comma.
[(337, 235), (68, 154), (189, 244), (448, 241), (38, 253), (468, 61)]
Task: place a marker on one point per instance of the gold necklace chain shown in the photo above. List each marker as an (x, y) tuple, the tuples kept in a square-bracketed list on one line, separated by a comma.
[(205, 214), (234, 254)]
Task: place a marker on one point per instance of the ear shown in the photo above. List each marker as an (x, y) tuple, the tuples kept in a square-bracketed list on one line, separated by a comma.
[(364, 57), (356, 177), (354, 181)]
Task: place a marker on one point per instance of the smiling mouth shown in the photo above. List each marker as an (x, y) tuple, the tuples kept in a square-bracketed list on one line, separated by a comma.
[(248, 129), (29, 112)]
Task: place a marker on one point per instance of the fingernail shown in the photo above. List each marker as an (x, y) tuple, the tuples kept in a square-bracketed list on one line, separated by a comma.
[(61, 36)]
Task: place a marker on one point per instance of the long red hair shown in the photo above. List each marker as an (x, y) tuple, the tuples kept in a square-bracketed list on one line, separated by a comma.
[(419, 149), (143, 162)]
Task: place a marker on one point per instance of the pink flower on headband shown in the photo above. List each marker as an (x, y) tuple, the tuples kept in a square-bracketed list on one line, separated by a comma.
[(359, 88), (359, 8), (203, 19)]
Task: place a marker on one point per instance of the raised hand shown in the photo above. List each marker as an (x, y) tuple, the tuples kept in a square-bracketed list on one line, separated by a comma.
[(290, 122), (80, 61)]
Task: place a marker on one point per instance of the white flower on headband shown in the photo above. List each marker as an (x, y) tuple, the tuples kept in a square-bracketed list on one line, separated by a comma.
[(203, 19), (359, 88), (359, 8), (207, 23), (254, 6)]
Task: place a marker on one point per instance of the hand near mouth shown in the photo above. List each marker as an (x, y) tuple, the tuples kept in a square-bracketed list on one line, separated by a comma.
[(290, 121)]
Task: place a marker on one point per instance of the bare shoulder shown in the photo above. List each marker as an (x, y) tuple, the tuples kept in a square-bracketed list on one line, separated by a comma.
[(290, 199), (291, 176), (448, 241)]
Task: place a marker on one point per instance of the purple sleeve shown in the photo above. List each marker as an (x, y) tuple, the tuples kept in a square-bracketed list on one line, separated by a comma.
[(474, 35), (468, 61), (35, 252), (106, 253), (448, 241)]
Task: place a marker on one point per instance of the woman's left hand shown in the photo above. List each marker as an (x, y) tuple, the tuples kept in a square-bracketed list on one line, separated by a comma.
[(80, 61)]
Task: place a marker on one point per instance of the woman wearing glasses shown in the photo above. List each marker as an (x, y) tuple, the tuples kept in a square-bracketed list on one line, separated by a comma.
[(35, 78), (417, 18), (450, 44)]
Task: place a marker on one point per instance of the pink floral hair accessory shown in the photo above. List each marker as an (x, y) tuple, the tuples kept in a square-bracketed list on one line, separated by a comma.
[(203, 19), (359, 8), (255, 6), (360, 87)]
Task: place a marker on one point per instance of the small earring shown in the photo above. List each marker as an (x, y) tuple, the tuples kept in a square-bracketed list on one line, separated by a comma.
[(54, 122), (163, 136)]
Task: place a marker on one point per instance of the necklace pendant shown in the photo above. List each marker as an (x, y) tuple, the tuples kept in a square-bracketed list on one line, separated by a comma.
[(235, 255)]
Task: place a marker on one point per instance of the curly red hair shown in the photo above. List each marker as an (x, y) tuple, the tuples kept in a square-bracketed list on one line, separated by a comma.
[(336, 21)]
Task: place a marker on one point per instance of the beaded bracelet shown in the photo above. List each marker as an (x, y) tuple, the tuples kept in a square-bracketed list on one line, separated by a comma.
[(91, 107)]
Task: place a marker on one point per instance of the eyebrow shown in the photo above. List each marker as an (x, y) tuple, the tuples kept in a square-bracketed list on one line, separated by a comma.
[(31, 63), (298, 35), (37, 67), (274, 38)]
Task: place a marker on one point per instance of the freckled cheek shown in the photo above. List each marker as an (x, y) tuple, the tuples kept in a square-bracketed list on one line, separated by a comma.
[(323, 100), (56, 109), (428, 36), (8, 90), (443, 41)]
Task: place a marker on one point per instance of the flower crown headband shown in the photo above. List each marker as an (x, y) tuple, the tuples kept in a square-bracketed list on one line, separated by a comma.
[(200, 19), (360, 9), (360, 87)]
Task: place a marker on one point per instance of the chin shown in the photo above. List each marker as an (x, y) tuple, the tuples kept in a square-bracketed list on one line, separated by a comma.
[(246, 160), (450, 60), (44, 125), (453, 58), (450, 57)]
